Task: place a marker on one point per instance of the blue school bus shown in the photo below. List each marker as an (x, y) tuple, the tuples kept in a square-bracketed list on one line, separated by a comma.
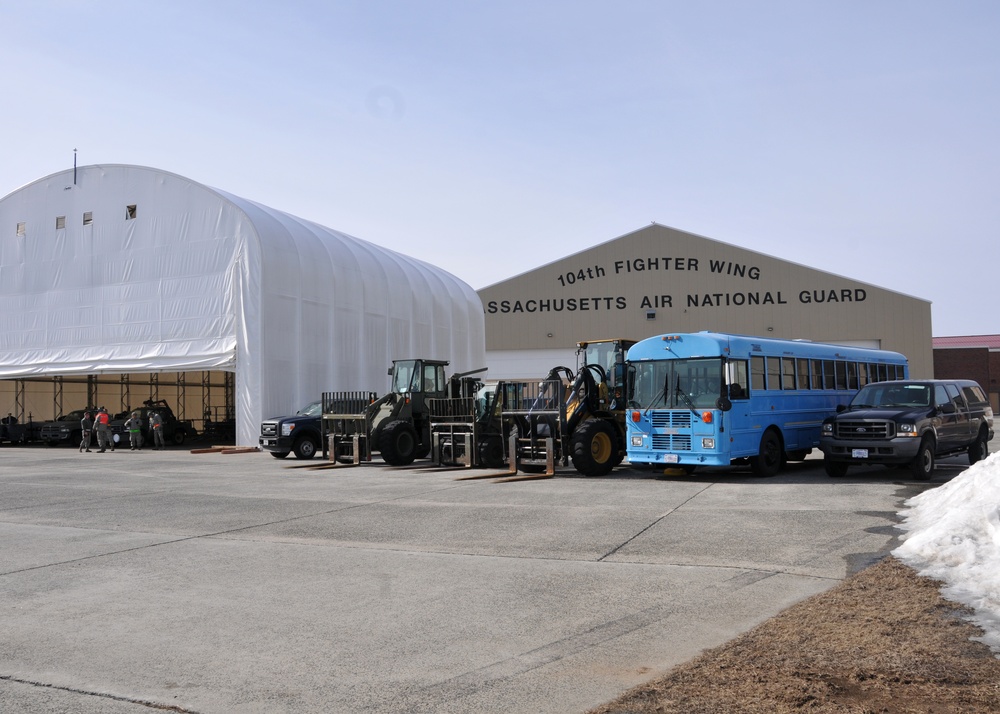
[(714, 399)]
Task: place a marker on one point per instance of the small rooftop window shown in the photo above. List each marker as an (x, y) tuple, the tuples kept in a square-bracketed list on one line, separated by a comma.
[(88, 218), (130, 212), (20, 228), (60, 222)]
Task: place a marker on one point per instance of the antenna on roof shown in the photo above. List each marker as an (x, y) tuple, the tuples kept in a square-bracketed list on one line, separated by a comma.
[(74, 167)]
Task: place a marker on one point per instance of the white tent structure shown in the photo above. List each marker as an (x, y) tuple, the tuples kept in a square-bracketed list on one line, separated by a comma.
[(125, 269)]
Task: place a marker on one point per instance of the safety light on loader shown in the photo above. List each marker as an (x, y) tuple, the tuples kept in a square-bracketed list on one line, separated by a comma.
[(636, 416)]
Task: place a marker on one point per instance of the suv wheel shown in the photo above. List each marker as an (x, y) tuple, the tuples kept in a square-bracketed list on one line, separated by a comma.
[(835, 469), (980, 448), (304, 448), (922, 466)]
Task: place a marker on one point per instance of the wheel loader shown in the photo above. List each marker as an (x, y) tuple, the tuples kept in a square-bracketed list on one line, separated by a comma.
[(357, 424), (567, 416)]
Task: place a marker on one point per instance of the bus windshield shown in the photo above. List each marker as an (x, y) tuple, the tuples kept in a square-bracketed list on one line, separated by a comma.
[(677, 384)]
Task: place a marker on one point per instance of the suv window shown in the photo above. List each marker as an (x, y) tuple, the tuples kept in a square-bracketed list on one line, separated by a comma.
[(940, 396), (954, 396), (974, 395)]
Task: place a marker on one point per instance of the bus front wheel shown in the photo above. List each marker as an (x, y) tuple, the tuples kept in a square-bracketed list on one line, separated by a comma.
[(769, 457)]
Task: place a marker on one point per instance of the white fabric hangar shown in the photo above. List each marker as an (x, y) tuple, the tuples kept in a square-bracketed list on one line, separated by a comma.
[(128, 269)]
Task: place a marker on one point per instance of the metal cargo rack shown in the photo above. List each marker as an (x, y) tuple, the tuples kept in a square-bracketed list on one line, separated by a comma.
[(535, 414), (346, 419)]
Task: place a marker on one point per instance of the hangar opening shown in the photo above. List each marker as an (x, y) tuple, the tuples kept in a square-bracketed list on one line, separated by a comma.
[(207, 399)]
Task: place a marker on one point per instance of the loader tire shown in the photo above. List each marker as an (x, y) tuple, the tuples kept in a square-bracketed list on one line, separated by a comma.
[(491, 452), (398, 443), (594, 448)]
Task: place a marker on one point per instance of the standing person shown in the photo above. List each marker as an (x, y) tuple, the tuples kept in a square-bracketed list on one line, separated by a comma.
[(103, 434), (134, 427), (156, 426), (86, 428)]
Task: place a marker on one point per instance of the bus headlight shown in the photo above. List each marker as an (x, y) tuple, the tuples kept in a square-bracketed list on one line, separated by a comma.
[(708, 444), (636, 441)]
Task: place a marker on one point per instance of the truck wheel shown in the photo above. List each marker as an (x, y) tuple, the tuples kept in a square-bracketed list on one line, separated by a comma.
[(767, 463), (980, 448), (835, 469), (922, 465), (398, 443), (178, 437), (594, 448), (305, 448), (491, 452), (279, 454)]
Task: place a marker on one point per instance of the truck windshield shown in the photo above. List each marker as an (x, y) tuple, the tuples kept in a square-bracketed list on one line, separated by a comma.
[(312, 410), (891, 394), (677, 384)]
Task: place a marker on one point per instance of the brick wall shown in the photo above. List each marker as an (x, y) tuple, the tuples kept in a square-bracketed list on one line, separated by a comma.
[(976, 363)]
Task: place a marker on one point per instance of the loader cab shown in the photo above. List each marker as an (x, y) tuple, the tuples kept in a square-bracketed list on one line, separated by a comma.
[(419, 376), (609, 355)]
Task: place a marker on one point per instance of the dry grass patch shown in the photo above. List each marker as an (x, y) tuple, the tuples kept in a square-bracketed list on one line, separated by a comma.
[(882, 642)]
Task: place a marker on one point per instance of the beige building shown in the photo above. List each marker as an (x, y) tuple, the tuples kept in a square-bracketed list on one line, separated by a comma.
[(658, 280)]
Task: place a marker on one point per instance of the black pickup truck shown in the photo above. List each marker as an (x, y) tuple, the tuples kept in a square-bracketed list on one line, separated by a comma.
[(175, 431), (908, 423), (298, 434), (66, 429)]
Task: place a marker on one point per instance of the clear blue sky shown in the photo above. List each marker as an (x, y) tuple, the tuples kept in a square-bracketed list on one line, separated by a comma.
[(488, 138)]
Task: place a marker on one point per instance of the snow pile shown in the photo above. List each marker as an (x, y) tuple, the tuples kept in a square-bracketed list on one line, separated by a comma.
[(953, 535)]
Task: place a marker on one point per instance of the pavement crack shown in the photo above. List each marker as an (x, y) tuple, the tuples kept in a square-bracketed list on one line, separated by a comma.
[(102, 695), (653, 523)]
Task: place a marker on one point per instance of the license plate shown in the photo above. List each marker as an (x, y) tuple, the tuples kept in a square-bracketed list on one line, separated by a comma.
[(671, 459), (859, 453)]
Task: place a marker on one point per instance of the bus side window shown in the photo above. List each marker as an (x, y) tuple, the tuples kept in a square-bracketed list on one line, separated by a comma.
[(773, 372), (787, 373), (841, 375), (817, 373), (756, 373), (802, 365), (737, 376), (852, 375), (828, 378)]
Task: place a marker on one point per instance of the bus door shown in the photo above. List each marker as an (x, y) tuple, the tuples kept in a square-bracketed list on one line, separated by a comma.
[(743, 435)]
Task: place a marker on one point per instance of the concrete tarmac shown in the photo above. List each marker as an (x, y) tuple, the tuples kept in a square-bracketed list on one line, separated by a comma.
[(210, 583)]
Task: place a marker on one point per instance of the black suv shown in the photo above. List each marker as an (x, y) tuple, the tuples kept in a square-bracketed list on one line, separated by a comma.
[(909, 423)]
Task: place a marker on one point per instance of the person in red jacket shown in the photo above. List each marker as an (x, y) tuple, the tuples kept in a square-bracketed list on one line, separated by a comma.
[(103, 433)]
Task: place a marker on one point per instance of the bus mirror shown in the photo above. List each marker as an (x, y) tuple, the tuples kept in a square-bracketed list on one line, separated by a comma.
[(724, 404)]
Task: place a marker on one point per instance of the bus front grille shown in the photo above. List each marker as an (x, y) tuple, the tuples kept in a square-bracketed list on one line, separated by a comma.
[(671, 419), (672, 442)]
